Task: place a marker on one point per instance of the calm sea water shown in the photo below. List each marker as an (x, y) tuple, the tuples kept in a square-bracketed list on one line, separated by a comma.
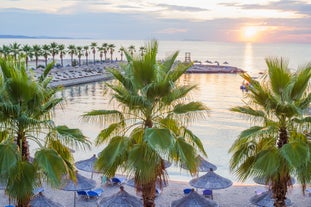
[(218, 91)]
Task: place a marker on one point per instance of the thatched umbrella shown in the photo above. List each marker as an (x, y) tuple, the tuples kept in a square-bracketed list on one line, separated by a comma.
[(87, 165), (82, 183), (263, 181), (211, 181), (265, 199), (203, 165), (193, 199), (167, 163), (40, 200), (120, 199)]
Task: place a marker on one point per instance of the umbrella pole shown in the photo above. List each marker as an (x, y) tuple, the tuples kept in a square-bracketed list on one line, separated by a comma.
[(74, 199), (92, 175)]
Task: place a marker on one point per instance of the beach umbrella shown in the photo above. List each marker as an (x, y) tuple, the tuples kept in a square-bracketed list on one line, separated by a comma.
[(263, 181), (193, 199), (87, 165), (265, 199), (203, 165), (40, 200), (120, 199), (211, 181), (225, 62), (82, 183)]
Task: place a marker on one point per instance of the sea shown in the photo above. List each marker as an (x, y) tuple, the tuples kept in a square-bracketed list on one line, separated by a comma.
[(219, 92)]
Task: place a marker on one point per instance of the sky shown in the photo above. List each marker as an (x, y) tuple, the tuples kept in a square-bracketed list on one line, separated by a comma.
[(207, 20)]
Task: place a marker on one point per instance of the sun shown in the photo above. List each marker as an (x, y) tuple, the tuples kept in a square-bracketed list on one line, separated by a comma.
[(250, 33)]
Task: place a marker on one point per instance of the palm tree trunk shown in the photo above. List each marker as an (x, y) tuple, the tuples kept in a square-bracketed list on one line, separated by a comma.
[(279, 190), (148, 191)]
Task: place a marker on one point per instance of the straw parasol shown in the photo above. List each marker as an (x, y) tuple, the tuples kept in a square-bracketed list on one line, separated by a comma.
[(82, 183), (40, 200), (120, 199), (263, 181), (211, 181), (193, 199), (87, 165), (203, 165), (265, 199)]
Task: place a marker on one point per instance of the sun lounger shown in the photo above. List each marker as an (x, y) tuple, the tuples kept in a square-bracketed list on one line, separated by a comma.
[(82, 194), (187, 191), (96, 193), (208, 193), (117, 181)]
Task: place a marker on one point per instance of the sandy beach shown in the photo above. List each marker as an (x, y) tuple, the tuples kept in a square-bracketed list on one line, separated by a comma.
[(237, 195)]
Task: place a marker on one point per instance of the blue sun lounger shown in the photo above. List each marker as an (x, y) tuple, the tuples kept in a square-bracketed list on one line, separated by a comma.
[(96, 193), (117, 181)]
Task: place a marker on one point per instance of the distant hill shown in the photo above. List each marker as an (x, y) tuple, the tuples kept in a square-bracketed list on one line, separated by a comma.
[(30, 37)]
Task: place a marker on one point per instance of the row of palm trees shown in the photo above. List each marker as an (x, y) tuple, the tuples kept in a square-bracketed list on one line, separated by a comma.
[(152, 126), (53, 49)]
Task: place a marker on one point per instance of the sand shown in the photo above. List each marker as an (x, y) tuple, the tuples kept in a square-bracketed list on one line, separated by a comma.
[(235, 196)]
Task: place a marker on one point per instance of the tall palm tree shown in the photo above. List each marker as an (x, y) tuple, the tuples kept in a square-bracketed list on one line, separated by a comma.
[(37, 51), (142, 50), (101, 53), (72, 51), (121, 51), (62, 52), (131, 49), (27, 51), (152, 125), (86, 53), (5, 51), (79, 53), (15, 49), (25, 114), (93, 48), (45, 53), (105, 46), (111, 51), (278, 146), (53, 50)]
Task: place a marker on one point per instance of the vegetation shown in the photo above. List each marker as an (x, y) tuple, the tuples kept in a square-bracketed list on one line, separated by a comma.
[(279, 145), (26, 120), (151, 125)]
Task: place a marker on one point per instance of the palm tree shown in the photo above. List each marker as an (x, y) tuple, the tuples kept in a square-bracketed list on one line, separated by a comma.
[(93, 48), (15, 50), (132, 49), (5, 51), (79, 53), (105, 46), (27, 50), (142, 50), (86, 53), (152, 124), (25, 114), (53, 50), (121, 51), (111, 50), (45, 52), (278, 146), (62, 52), (72, 51), (37, 53), (101, 53)]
